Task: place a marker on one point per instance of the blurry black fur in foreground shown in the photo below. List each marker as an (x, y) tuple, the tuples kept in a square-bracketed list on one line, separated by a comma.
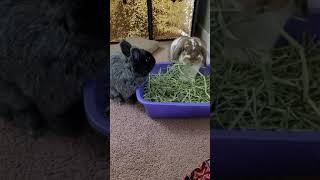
[(48, 49)]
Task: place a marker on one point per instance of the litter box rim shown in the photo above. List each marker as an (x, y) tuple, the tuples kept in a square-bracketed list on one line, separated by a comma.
[(140, 92), (277, 153), (171, 110), (94, 116)]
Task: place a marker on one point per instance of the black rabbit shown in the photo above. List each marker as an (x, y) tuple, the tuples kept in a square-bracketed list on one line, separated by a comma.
[(48, 49), (128, 70)]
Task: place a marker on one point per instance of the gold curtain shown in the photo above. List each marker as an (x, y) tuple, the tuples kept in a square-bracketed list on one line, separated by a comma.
[(171, 19), (128, 20)]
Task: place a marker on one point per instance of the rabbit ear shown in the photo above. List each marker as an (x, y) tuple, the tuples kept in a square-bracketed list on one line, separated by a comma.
[(125, 47), (177, 47), (204, 54), (203, 49), (135, 54)]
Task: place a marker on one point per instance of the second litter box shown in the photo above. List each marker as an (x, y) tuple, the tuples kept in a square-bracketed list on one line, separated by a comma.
[(173, 109), (95, 103), (259, 153)]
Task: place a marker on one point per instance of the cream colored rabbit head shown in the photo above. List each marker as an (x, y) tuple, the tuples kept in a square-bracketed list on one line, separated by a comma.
[(188, 50)]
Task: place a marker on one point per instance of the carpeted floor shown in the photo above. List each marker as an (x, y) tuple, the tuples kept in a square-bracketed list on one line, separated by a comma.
[(147, 149), (51, 157)]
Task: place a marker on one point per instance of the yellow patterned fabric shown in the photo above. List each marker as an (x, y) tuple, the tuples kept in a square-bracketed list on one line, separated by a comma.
[(171, 19), (128, 20)]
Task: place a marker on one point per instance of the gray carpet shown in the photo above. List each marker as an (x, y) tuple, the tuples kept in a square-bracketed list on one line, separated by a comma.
[(52, 157), (147, 149)]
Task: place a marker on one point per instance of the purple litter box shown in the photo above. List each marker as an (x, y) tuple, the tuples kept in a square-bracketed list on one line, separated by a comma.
[(95, 102), (268, 153), (173, 110)]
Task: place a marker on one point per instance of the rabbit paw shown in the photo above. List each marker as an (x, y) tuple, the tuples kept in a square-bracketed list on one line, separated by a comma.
[(118, 100), (133, 99)]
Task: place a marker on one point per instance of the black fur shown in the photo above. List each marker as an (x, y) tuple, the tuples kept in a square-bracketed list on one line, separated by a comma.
[(129, 69), (142, 60), (48, 49)]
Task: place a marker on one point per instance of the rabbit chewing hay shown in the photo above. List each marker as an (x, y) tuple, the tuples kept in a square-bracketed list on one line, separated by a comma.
[(188, 51), (260, 28)]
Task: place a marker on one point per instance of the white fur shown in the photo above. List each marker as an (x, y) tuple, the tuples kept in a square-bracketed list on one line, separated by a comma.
[(314, 6), (181, 59), (191, 72), (175, 43), (260, 32), (173, 46), (193, 42)]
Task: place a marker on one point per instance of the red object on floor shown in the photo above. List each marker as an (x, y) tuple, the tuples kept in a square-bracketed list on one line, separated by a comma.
[(201, 173)]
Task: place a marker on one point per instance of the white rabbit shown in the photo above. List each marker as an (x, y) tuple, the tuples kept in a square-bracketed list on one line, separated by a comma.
[(262, 31), (188, 51)]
